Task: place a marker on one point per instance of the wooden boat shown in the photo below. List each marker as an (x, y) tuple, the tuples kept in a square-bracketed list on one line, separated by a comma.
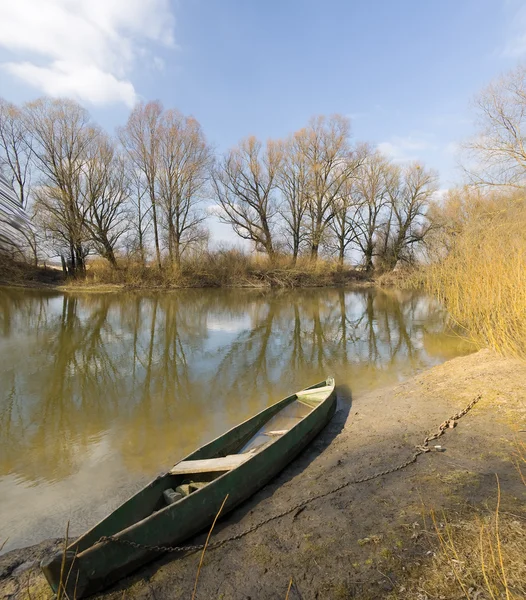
[(184, 501)]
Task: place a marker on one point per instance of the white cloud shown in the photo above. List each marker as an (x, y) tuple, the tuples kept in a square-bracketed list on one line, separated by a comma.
[(86, 82), (405, 148), (82, 48)]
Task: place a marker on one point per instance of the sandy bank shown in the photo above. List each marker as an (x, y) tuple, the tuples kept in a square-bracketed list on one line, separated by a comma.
[(367, 540)]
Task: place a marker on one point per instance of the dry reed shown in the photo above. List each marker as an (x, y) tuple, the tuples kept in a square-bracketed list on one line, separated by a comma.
[(482, 280), (222, 268)]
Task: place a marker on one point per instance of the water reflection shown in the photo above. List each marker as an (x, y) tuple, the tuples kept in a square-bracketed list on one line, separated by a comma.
[(100, 392)]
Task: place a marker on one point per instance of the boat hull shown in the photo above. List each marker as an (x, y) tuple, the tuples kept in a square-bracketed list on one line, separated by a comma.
[(94, 566)]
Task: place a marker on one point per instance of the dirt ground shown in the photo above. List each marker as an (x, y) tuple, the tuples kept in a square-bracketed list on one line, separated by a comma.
[(367, 540)]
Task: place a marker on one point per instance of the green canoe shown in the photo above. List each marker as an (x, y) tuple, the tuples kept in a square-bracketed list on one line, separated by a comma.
[(184, 501)]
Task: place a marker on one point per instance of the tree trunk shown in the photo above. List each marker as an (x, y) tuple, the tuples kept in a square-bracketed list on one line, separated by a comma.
[(177, 253), (295, 252), (109, 255), (369, 266), (341, 256), (156, 234), (79, 260), (72, 259)]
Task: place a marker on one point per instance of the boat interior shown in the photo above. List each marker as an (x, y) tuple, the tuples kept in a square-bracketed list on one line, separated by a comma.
[(195, 474)]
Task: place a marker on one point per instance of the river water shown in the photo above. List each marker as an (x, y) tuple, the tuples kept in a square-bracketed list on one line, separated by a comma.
[(99, 393)]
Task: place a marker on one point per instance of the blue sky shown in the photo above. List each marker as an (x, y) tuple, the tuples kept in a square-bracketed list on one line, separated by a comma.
[(404, 71)]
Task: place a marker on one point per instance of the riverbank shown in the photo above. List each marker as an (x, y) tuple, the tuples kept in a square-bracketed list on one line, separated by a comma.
[(375, 539), (229, 269)]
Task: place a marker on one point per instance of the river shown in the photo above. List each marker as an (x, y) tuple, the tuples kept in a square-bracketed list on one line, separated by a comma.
[(99, 393)]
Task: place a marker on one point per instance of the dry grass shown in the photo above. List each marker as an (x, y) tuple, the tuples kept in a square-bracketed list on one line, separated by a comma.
[(407, 278), (478, 558), (18, 273), (482, 281), (222, 268)]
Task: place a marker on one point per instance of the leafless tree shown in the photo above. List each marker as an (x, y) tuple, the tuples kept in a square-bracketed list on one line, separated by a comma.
[(141, 139), (410, 189), (15, 155), (244, 182), (184, 170), (15, 148), (341, 227), (105, 189), (346, 206), (372, 198), (141, 211), (330, 161), (497, 154), (293, 182), (62, 133)]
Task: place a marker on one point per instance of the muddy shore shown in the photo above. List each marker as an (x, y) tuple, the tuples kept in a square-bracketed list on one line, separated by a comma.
[(368, 540)]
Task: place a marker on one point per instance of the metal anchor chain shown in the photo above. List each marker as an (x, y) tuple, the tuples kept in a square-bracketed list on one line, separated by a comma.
[(300, 506)]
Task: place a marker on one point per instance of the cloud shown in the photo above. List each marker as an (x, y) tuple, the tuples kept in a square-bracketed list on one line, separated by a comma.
[(402, 149), (82, 48), (68, 79)]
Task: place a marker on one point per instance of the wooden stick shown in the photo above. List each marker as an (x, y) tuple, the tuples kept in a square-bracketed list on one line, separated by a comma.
[(288, 591), (206, 544)]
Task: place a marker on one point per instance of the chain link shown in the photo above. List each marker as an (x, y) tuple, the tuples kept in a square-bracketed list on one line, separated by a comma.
[(422, 449)]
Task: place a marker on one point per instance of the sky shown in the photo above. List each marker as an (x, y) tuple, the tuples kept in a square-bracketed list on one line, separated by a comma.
[(404, 71)]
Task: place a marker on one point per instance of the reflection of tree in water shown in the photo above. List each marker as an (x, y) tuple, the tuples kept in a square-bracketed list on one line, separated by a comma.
[(164, 413), (74, 366), (148, 371), (301, 337)]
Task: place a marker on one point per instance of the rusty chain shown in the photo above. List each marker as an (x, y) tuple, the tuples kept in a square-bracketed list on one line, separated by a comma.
[(299, 507)]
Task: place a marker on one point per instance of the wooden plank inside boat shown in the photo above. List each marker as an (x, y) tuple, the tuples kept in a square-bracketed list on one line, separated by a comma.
[(224, 463)]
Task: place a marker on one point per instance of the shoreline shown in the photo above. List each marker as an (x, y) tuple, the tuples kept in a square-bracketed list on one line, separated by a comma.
[(122, 287), (218, 277), (386, 544)]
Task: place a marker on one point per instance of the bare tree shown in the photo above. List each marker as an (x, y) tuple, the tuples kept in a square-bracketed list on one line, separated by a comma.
[(325, 145), (497, 154), (106, 190), (140, 217), (244, 182), (15, 154), (293, 182), (410, 190), (141, 139), (184, 169), (62, 133), (342, 224), (13, 219), (15, 148), (346, 206), (372, 198)]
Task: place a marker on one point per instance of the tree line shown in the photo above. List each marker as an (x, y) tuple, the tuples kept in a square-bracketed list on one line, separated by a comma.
[(146, 192)]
